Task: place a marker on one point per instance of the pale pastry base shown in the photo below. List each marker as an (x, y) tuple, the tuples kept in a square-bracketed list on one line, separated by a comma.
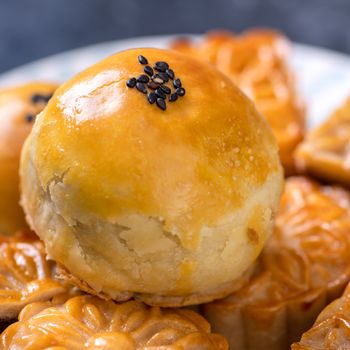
[(161, 300)]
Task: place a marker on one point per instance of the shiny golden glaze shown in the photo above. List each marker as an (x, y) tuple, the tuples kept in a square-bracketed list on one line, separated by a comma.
[(304, 265), (117, 187), (104, 138), (15, 105), (87, 322), (257, 61), (325, 152), (331, 330), (25, 274)]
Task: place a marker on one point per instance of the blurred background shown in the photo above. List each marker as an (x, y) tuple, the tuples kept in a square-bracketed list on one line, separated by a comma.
[(32, 29)]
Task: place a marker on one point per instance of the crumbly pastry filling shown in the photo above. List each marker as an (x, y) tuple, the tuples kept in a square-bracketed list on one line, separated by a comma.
[(87, 322), (26, 275), (257, 61), (331, 330), (304, 265)]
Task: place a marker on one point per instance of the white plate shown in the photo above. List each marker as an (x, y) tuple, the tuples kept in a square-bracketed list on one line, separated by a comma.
[(323, 75)]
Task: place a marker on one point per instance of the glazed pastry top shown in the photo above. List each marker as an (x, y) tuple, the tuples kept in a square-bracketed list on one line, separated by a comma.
[(309, 250), (331, 330), (87, 322), (326, 150), (25, 274), (257, 61)]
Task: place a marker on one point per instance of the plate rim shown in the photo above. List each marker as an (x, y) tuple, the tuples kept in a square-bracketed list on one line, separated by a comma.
[(306, 49), (323, 82)]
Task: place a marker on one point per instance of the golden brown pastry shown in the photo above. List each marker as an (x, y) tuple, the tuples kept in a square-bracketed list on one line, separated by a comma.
[(25, 275), (303, 267), (257, 61), (18, 108), (169, 202), (325, 153), (331, 330), (87, 322)]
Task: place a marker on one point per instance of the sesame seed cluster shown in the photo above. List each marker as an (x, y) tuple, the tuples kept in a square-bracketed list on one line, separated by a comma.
[(37, 99), (159, 83)]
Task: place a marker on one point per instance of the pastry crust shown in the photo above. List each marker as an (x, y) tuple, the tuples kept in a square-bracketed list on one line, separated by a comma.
[(156, 299), (87, 322), (303, 267), (17, 115), (257, 61), (134, 200), (331, 330), (26, 275), (325, 153)]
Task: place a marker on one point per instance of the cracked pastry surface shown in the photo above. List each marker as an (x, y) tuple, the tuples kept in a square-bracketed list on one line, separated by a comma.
[(331, 330), (304, 266), (18, 108), (136, 201), (325, 153), (26, 275), (257, 61), (87, 322)]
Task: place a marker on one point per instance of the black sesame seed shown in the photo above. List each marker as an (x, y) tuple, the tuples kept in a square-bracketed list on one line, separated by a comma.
[(142, 59), (29, 118), (37, 98), (163, 76), (177, 83), (173, 97), (170, 73), (48, 97), (152, 97), (161, 104), (157, 79), (141, 87), (165, 89), (143, 78), (180, 91), (148, 70), (131, 83), (161, 66), (160, 93), (152, 85)]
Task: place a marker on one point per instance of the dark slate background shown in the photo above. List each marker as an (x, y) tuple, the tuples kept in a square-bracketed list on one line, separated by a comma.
[(31, 29)]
